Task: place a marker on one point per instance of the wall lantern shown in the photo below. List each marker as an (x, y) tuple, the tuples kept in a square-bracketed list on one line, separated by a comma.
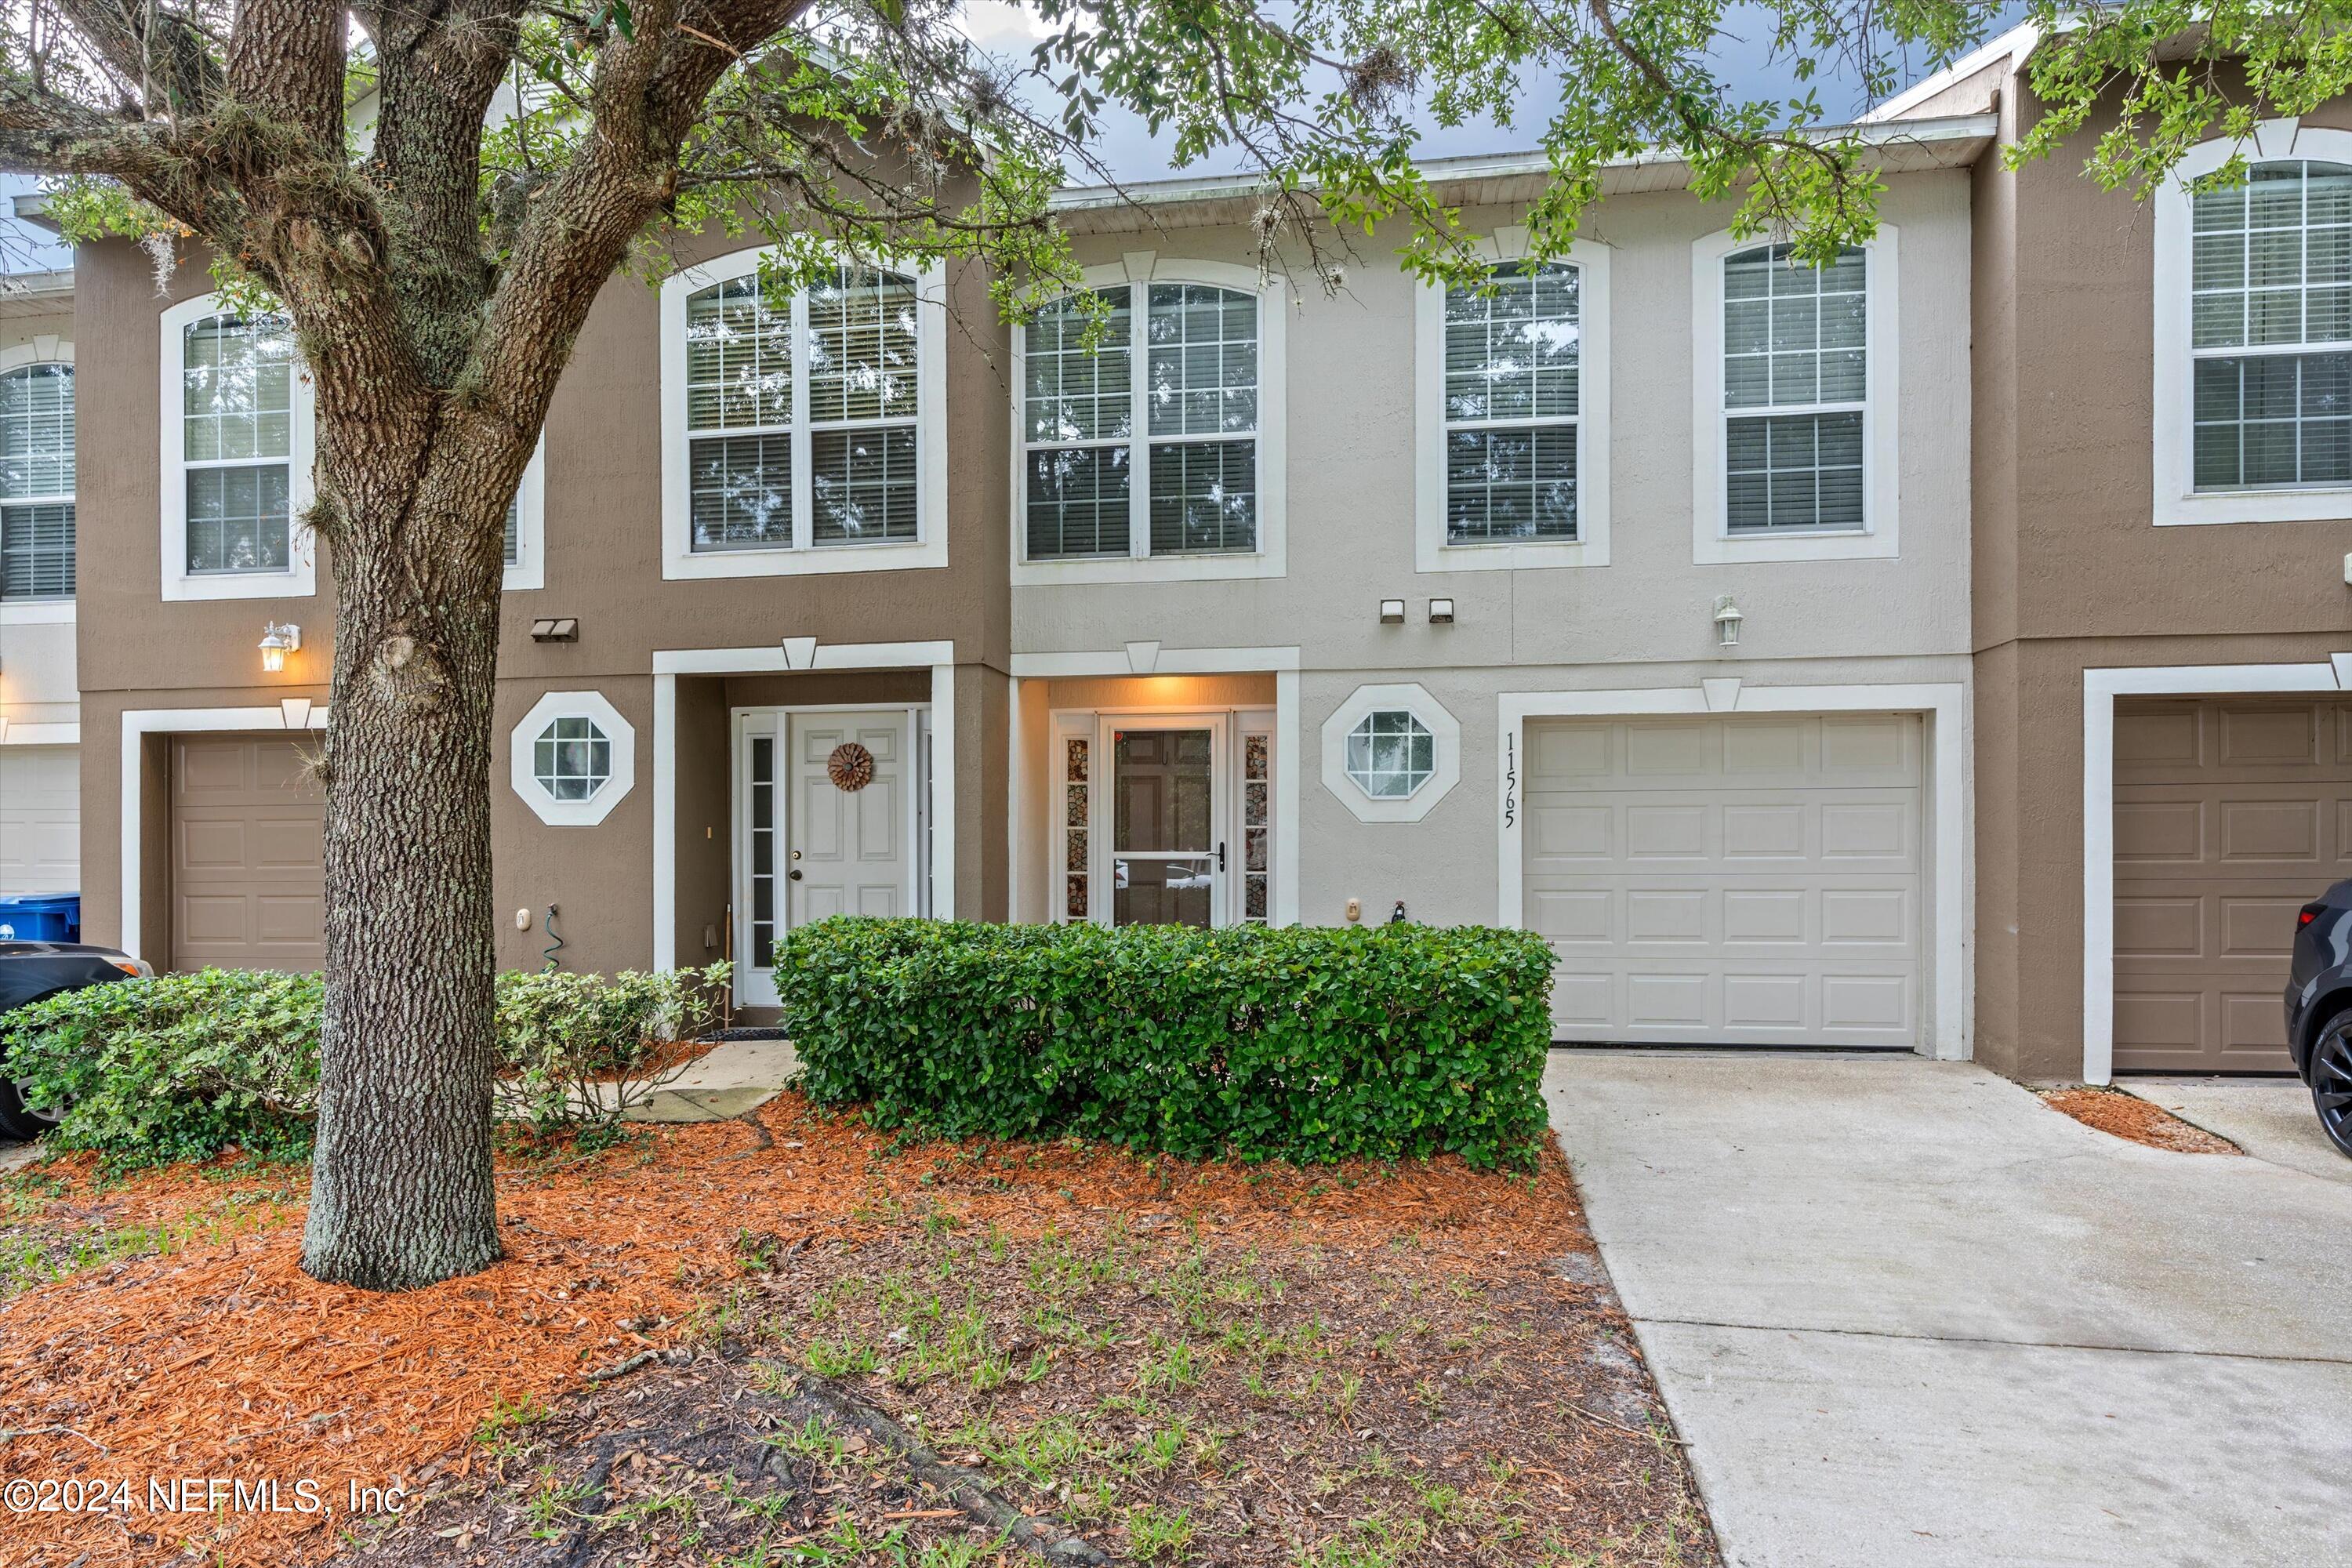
[(277, 642), (1727, 622)]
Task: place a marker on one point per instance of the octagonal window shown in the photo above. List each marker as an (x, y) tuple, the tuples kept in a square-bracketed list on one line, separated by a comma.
[(572, 759), (1390, 754)]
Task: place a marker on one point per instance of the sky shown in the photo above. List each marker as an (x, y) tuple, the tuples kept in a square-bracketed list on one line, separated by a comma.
[(1133, 153)]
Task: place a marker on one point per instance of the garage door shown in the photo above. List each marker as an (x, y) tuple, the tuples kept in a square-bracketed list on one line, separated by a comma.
[(248, 830), (1733, 881), (2230, 813), (40, 820)]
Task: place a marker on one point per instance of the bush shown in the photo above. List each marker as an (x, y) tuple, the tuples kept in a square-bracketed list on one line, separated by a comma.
[(182, 1065), (1293, 1043)]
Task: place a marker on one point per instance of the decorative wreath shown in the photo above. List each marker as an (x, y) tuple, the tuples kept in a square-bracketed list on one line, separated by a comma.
[(850, 767)]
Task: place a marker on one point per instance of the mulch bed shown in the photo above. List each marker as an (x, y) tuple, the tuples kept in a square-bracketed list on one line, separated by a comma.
[(1229, 1364), (2129, 1117)]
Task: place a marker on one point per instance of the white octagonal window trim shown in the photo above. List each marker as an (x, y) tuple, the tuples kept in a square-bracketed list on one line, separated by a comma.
[(1390, 753), (572, 758)]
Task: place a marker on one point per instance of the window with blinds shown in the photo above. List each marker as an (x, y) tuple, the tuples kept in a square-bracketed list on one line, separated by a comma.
[(37, 483), (1795, 392)]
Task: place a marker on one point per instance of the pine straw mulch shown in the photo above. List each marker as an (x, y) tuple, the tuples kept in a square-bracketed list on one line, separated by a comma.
[(1362, 1365), (68, 1214), (2128, 1117)]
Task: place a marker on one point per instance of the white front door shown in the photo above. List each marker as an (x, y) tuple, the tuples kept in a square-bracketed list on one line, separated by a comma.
[(824, 826)]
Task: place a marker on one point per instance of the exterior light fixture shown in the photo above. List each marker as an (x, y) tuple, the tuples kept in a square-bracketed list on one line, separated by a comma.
[(1391, 612), (296, 712), (1441, 612), (277, 642), (1727, 622)]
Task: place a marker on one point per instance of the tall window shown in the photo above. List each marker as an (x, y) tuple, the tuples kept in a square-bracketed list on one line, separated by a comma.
[(2271, 329), (1187, 482), (1795, 389), (37, 483), (802, 416), (1512, 359), (237, 430)]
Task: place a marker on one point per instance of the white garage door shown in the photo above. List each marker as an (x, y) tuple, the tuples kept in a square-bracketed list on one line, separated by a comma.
[(40, 820), (1732, 881)]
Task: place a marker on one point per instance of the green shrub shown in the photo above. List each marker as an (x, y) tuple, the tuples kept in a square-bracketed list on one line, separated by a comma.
[(176, 1067), (1295, 1043), (182, 1065)]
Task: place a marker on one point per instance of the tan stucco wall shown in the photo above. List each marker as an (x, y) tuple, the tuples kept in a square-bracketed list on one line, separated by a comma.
[(2072, 573), (603, 555)]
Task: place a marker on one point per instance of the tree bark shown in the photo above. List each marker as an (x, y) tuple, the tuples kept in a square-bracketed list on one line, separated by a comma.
[(401, 1188)]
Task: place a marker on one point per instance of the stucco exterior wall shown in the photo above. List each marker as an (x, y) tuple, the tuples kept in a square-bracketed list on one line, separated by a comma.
[(1644, 620), (2072, 572), (603, 567)]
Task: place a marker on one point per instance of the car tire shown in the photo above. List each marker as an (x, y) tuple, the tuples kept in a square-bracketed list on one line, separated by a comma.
[(18, 1121), (2331, 1080)]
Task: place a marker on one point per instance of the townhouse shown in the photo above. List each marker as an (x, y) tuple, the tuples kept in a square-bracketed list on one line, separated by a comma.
[(40, 699), (1815, 658)]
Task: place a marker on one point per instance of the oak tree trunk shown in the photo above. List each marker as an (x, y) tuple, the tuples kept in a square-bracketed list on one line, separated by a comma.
[(400, 1191)]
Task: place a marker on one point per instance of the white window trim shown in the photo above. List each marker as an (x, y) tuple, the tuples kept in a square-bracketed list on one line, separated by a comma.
[(47, 349), (1140, 268), (930, 547), (529, 567), (2178, 499), (1431, 553), (1712, 543), (300, 580), (524, 778), (1416, 699)]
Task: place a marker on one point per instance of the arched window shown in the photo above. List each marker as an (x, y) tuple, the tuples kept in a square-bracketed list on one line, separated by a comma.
[(2271, 329), (1795, 392), (37, 483), (1180, 479)]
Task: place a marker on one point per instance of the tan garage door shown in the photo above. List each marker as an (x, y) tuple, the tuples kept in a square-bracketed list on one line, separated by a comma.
[(40, 820), (248, 881), (1733, 881), (2231, 813)]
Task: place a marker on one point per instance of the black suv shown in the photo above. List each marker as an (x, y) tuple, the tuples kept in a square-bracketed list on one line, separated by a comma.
[(2319, 1008), (32, 970)]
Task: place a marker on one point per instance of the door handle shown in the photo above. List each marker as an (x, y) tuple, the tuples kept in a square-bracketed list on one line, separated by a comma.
[(794, 874), (1221, 854)]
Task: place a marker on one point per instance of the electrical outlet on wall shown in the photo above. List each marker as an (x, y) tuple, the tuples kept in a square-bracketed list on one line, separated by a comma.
[(1355, 910)]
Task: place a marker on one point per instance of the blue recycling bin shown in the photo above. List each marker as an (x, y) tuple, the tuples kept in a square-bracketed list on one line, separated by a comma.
[(41, 917)]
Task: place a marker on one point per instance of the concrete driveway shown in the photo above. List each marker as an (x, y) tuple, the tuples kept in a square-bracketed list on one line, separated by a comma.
[(1905, 1314)]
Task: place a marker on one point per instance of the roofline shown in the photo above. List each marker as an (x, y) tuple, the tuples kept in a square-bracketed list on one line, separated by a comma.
[(2015, 45), (1491, 165), (55, 281)]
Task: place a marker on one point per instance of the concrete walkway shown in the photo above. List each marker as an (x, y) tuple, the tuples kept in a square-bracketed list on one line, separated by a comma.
[(731, 1078), (1905, 1314), (2269, 1118)]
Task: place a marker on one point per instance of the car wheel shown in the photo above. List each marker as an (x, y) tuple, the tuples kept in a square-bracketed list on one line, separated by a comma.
[(2331, 1080), (19, 1122)]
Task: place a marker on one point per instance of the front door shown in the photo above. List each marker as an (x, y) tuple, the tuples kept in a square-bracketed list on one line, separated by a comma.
[(825, 822), (1167, 810)]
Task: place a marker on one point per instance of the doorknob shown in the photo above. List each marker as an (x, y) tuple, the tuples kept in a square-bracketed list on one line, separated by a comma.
[(1221, 854), (794, 874)]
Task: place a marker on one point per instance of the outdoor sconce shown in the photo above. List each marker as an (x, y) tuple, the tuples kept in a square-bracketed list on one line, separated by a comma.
[(1391, 612), (277, 642), (1441, 612), (1727, 622), (295, 712)]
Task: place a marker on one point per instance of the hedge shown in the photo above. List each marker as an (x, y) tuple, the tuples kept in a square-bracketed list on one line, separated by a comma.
[(1304, 1044), (181, 1066)]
